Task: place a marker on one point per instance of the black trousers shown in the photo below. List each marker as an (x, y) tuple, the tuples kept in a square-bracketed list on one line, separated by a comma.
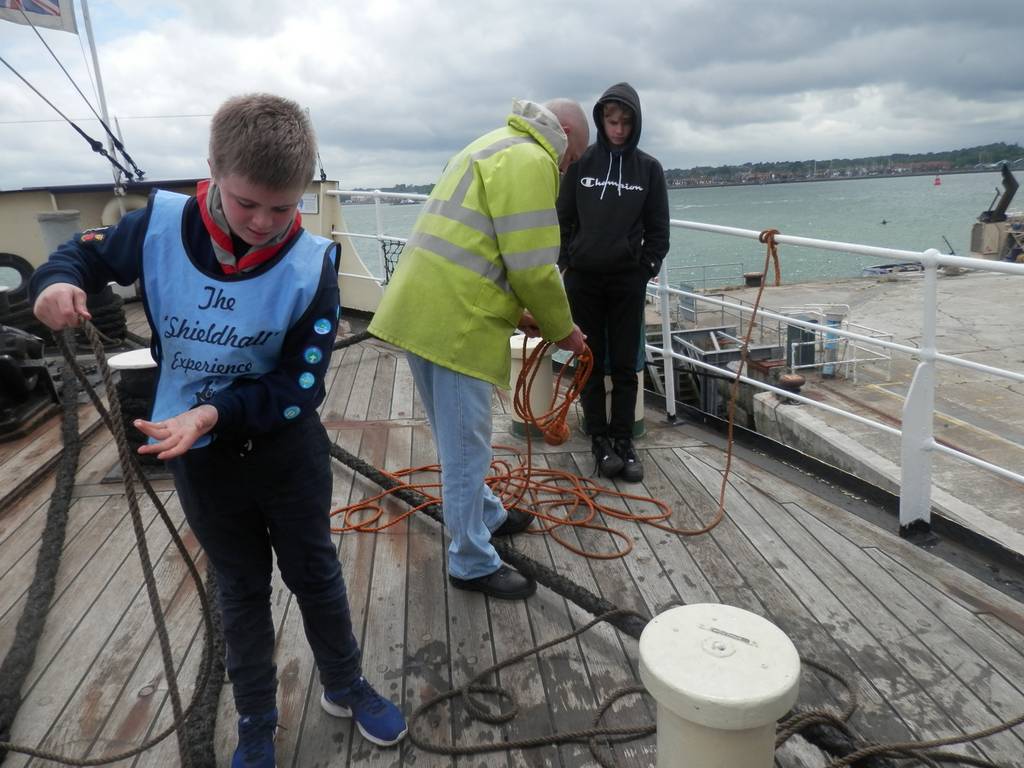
[(245, 503), (609, 309)]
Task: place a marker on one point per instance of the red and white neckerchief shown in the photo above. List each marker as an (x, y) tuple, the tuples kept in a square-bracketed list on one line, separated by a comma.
[(212, 211)]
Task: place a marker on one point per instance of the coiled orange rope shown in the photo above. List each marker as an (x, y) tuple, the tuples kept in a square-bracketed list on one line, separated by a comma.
[(555, 497), (553, 423)]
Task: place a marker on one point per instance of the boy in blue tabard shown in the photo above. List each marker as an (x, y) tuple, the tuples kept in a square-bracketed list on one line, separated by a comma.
[(243, 305)]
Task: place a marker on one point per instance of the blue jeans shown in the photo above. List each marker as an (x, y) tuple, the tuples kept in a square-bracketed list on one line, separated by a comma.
[(246, 502), (459, 409)]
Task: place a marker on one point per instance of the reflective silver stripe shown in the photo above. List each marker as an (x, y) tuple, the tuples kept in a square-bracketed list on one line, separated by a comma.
[(517, 222), (455, 212), (464, 258), (481, 154), (527, 259), (485, 225)]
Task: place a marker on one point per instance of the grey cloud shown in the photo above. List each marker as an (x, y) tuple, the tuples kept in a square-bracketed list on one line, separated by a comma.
[(394, 87)]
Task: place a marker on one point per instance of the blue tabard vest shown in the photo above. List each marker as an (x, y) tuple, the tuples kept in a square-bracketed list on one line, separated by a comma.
[(209, 330)]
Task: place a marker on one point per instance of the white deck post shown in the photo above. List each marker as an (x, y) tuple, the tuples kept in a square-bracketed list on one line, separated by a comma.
[(666, 343), (918, 412), (722, 677), (380, 235)]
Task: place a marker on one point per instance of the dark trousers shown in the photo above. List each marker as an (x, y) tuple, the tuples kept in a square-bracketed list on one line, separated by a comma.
[(246, 502), (609, 309)]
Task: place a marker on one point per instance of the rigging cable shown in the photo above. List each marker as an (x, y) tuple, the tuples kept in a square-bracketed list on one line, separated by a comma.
[(96, 146), (118, 145)]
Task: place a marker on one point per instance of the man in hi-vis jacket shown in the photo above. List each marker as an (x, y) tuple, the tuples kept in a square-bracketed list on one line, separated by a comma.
[(481, 262)]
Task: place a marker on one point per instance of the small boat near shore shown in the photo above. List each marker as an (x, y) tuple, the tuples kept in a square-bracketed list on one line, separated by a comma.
[(896, 268)]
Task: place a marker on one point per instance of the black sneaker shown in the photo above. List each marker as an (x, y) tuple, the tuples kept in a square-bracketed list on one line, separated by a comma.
[(516, 522), (504, 584), (632, 469), (607, 461)]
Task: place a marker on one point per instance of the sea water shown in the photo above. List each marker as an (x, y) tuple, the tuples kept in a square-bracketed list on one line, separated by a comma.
[(907, 213)]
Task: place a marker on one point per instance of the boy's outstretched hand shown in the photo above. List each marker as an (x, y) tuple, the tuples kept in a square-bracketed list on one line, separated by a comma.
[(176, 435), (60, 306)]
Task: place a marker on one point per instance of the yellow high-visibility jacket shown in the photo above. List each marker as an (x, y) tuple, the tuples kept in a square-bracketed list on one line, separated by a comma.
[(483, 248)]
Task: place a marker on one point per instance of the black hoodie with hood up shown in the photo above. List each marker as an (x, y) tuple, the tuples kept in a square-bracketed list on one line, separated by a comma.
[(613, 201)]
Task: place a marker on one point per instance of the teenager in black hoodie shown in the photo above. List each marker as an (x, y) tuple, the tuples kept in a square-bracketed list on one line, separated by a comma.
[(613, 212)]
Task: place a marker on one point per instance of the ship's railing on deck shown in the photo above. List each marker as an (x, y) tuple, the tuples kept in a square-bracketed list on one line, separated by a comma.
[(386, 256), (917, 441)]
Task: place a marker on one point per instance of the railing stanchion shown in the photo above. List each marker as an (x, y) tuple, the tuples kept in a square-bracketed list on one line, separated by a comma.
[(380, 234), (918, 412), (666, 343)]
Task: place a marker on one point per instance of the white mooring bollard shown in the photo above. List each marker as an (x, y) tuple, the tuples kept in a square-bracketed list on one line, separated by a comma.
[(722, 677)]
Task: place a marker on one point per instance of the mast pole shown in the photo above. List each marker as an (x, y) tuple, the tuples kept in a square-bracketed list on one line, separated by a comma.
[(118, 189)]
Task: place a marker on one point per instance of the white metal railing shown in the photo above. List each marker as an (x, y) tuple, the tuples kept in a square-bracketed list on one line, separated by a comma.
[(706, 276), (848, 352), (917, 440), (378, 197)]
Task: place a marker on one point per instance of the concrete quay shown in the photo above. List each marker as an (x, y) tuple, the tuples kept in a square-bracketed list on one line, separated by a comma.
[(979, 319)]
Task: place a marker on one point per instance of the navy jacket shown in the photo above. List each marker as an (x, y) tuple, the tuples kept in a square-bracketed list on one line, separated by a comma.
[(93, 258)]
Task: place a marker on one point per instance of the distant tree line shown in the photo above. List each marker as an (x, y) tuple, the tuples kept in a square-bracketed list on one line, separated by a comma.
[(989, 156), (412, 189)]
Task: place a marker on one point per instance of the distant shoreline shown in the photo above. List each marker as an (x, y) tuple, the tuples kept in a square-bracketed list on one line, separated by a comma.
[(830, 178), (715, 185)]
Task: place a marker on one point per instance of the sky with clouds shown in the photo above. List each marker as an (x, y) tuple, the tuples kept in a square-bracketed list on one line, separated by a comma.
[(394, 87)]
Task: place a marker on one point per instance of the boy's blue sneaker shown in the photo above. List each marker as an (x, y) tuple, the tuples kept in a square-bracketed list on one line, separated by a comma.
[(256, 741), (378, 719)]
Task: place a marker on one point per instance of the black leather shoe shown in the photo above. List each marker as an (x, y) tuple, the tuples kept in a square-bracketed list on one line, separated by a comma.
[(632, 469), (608, 462), (516, 522), (504, 584)]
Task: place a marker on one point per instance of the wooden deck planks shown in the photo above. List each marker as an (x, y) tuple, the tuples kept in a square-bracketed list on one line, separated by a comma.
[(428, 661), (384, 628), (583, 672), (930, 650), (79, 628), (801, 605), (126, 688), (608, 658), (884, 649), (29, 459), (947, 668)]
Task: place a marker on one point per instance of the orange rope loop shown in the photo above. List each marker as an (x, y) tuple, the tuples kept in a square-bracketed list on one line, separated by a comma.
[(558, 499), (767, 237), (552, 423)]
